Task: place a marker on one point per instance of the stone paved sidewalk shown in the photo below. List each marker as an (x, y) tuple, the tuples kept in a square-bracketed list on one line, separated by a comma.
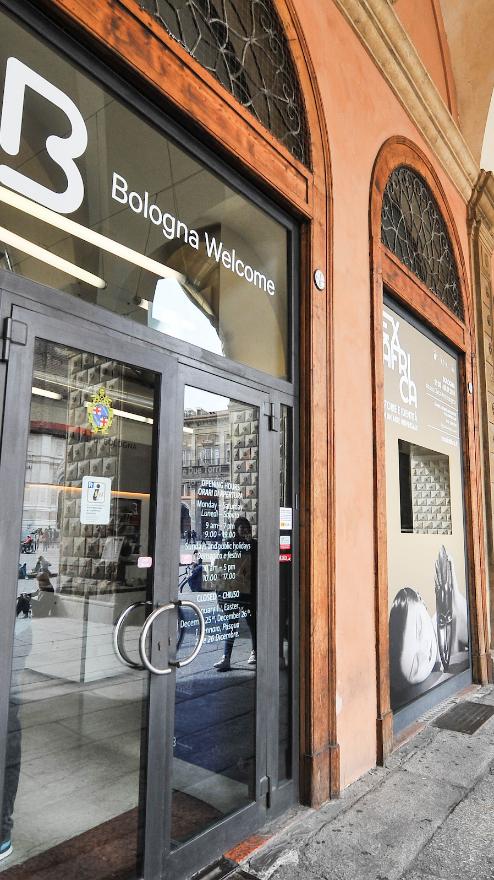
[(427, 815)]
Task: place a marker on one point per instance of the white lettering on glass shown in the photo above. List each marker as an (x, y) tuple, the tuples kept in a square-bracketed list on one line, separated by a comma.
[(395, 356), (171, 227), (174, 228), (217, 250), (63, 150)]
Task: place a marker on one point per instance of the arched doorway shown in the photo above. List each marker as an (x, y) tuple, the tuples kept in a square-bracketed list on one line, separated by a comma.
[(424, 431)]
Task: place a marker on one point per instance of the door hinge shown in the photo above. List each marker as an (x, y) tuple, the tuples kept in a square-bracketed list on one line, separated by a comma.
[(14, 332), (273, 415), (265, 789)]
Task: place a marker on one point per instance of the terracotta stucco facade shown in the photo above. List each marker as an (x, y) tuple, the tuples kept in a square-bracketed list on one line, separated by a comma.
[(361, 113)]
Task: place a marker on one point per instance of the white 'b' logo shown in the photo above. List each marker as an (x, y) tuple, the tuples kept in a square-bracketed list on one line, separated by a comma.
[(63, 150)]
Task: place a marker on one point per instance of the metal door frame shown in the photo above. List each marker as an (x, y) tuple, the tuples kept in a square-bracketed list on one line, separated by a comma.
[(190, 856), (43, 308), (17, 403)]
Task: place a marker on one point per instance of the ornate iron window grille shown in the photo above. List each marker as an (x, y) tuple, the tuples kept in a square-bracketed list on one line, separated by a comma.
[(412, 228), (242, 43)]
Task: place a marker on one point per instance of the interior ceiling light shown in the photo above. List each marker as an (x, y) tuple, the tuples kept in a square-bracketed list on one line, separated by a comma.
[(127, 396), (134, 417), (78, 231), (42, 392), (39, 253)]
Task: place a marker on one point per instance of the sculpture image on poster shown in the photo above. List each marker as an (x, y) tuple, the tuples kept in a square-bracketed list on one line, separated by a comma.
[(428, 615), (424, 650)]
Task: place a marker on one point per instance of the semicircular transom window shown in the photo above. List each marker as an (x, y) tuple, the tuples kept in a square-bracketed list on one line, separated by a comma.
[(243, 44), (412, 228)]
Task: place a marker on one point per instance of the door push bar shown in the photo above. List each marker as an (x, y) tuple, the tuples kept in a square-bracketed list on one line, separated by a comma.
[(146, 663)]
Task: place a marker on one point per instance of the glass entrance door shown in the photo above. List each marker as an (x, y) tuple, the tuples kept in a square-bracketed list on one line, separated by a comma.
[(140, 622), (79, 482), (216, 741)]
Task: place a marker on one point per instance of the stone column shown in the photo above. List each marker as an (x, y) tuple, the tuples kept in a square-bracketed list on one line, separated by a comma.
[(481, 233)]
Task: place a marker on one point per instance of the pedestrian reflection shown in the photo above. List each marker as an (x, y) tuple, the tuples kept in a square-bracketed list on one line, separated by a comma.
[(239, 558)]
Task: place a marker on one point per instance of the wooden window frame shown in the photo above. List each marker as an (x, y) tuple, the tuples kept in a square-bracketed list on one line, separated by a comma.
[(134, 44), (389, 274)]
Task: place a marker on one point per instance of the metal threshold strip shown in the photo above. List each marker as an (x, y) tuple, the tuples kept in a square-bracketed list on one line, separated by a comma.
[(222, 869)]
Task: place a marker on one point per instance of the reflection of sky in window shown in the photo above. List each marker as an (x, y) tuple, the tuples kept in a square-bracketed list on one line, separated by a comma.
[(196, 398), (174, 313)]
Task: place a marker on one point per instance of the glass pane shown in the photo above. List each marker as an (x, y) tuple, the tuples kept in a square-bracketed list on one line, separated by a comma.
[(219, 276), (215, 719), (77, 714), (286, 584)]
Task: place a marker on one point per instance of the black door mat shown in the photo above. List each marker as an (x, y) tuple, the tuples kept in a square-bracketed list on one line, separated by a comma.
[(465, 717)]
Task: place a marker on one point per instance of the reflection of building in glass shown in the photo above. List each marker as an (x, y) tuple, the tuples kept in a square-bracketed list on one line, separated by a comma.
[(45, 458), (219, 448)]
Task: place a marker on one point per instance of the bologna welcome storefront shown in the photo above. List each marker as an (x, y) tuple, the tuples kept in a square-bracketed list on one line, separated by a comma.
[(241, 522), (149, 542)]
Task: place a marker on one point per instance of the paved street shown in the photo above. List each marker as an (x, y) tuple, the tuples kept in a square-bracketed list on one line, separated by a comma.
[(427, 815)]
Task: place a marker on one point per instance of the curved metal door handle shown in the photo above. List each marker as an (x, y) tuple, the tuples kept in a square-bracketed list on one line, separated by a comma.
[(117, 647), (148, 624)]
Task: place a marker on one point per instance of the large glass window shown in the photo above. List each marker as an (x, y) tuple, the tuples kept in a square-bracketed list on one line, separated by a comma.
[(96, 202)]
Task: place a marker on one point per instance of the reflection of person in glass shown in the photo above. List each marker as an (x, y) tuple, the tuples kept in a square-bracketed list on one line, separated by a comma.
[(420, 644), (195, 578), (245, 571), (22, 647)]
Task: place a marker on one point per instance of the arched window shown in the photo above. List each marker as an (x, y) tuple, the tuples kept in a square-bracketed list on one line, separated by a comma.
[(243, 44), (424, 416), (412, 228)]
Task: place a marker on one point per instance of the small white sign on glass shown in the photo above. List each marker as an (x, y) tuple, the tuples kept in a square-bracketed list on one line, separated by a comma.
[(96, 500), (286, 519)]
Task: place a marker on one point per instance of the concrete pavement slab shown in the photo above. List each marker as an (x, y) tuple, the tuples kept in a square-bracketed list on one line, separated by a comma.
[(377, 837), (308, 823), (457, 758), (386, 829), (427, 815), (463, 848), (483, 794), (419, 875)]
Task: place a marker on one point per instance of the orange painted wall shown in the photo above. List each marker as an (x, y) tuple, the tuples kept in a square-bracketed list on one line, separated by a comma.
[(422, 21), (361, 113)]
